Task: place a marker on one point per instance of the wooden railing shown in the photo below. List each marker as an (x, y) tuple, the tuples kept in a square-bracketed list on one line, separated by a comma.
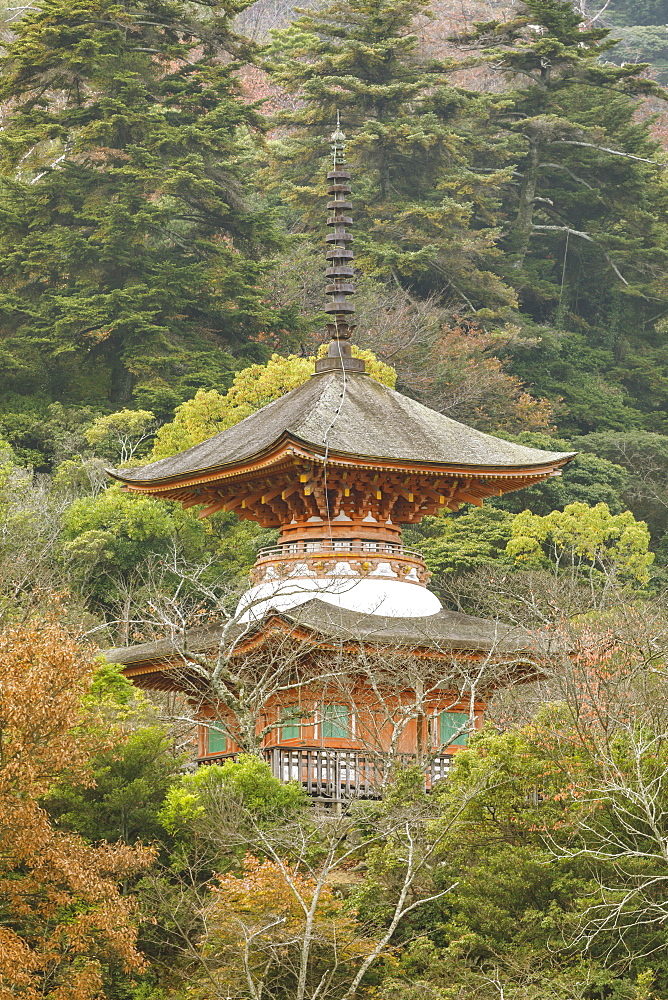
[(337, 546), (339, 774), (340, 558)]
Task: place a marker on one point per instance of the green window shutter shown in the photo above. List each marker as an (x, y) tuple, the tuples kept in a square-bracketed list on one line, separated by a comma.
[(217, 740), (449, 724), (336, 722), (291, 728)]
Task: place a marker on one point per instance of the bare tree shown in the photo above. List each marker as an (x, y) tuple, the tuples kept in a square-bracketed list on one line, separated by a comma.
[(612, 746), (282, 926), (397, 695), (598, 720), (31, 517), (249, 679)]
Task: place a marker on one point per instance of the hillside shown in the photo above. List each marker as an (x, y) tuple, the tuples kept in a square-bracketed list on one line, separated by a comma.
[(162, 272)]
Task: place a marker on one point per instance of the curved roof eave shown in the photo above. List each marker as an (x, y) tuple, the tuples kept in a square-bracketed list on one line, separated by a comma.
[(319, 621), (229, 469)]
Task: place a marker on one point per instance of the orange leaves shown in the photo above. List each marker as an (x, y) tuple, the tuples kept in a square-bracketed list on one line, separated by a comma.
[(277, 924), (63, 913), (466, 380), (269, 891), (44, 675)]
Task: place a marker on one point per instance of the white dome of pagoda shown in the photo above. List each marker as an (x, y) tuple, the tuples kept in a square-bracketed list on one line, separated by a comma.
[(389, 598)]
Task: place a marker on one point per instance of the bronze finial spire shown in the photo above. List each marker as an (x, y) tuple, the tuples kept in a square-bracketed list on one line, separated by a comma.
[(340, 258)]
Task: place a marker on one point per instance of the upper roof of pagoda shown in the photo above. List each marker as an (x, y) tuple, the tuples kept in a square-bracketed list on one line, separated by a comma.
[(352, 417)]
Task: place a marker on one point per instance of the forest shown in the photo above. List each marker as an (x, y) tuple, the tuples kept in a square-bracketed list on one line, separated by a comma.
[(162, 226)]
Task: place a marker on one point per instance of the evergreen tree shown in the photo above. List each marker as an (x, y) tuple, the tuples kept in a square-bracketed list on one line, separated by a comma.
[(132, 779), (130, 257), (638, 12), (425, 218), (647, 43), (586, 243)]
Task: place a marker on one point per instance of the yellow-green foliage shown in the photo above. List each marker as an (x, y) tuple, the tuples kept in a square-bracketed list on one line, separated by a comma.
[(112, 535), (119, 434), (248, 781), (583, 536), (211, 412)]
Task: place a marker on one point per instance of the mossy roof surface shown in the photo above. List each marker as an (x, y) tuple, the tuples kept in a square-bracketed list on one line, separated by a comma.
[(349, 414), (445, 631)]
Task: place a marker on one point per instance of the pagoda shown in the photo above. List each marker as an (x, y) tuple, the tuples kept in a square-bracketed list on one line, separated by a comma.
[(338, 466)]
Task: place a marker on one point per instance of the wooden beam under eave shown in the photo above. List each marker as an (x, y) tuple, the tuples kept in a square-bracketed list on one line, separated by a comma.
[(472, 498), (159, 676), (192, 502), (213, 508)]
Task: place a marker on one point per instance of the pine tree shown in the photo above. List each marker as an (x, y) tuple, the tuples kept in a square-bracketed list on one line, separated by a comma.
[(425, 218), (638, 12), (130, 258), (586, 243)]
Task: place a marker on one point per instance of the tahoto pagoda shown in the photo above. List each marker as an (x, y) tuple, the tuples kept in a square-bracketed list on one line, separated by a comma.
[(357, 663)]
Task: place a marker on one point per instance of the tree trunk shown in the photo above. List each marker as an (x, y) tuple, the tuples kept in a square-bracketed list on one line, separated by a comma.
[(520, 234), (121, 376), (125, 624)]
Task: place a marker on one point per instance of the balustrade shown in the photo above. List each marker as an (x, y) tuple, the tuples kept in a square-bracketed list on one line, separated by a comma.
[(326, 545), (323, 558), (339, 774)]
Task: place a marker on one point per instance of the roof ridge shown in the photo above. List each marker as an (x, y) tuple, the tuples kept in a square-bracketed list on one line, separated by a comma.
[(316, 400)]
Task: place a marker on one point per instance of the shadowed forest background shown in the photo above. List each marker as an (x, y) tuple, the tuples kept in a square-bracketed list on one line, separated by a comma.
[(162, 221)]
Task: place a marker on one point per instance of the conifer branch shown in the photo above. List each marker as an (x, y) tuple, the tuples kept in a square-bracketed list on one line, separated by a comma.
[(586, 236), (606, 149), (560, 166)]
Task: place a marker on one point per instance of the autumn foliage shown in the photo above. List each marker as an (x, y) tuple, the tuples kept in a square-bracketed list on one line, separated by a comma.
[(259, 922), (461, 374), (64, 918)]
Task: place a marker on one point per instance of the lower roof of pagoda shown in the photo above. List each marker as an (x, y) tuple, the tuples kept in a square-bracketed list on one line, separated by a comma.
[(317, 625), (352, 422)]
